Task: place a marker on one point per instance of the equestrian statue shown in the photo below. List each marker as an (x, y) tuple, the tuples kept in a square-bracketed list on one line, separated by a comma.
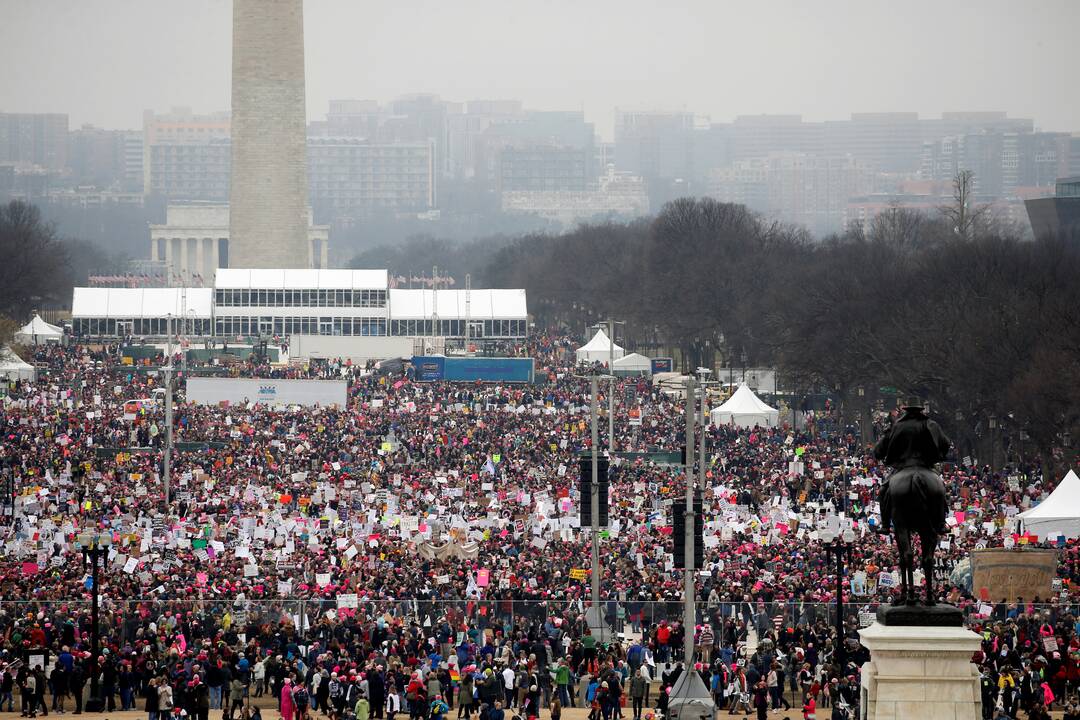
[(913, 497)]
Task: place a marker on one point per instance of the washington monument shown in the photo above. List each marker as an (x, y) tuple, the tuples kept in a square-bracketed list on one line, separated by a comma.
[(268, 218)]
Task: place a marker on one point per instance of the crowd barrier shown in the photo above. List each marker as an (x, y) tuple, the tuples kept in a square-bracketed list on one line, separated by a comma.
[(629, 619)]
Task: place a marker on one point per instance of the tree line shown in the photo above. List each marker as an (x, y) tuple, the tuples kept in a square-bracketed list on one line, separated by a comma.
[(980, 323), (39, 267)]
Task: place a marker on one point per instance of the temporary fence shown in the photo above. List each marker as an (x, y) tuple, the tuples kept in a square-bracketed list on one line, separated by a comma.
[(626, 618)]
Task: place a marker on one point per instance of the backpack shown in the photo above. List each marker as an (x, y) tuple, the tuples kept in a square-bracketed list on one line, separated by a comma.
[(300, 696)]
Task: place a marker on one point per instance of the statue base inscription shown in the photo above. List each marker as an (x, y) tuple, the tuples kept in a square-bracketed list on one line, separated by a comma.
[(920, 672)]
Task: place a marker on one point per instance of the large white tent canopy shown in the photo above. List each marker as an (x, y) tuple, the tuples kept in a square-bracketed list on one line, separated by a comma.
[(599, 349), (13, 367), (38, 332), (1058, 514), (745, 409), (632, 364)]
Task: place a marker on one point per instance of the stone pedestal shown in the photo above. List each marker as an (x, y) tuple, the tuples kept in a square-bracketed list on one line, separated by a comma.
[(920, 673)]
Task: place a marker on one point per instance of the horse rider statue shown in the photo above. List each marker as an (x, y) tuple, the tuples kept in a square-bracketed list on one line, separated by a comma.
[(913, 497)]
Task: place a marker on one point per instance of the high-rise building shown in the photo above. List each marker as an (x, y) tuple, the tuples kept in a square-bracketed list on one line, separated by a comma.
[(537, 150), (883, 142), (186, 156), (268, 218), (1002, 162), (34, 140), (351, 176), (618, 196), (758, 136), (808, 190), (106, 159)]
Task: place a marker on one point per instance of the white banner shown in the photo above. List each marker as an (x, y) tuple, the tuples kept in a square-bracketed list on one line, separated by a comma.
[(213, 391)]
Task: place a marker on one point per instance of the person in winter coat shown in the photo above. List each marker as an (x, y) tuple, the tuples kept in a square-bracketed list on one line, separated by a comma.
[(465, 701), (809, 707), (287, 708), (165, 699), (362, 708), (638, 687), (200, 699), (438, 708), (761, 699), (258, 674), (152, 699), (59, 680), (237, 691)]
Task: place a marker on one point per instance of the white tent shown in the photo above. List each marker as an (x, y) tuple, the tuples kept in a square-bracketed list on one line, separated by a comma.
[(13, 367), (632, 364), (38, 332), (745, 409), (1058, 514), (599, 349)]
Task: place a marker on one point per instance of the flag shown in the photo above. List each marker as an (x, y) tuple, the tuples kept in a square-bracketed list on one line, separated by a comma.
[(489, 467)]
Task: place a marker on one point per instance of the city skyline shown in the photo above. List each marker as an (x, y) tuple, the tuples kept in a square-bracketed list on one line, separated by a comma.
[(812, 64)]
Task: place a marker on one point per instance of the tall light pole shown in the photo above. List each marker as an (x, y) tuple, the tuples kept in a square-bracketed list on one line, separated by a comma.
[(839, 544), (94, 546), (611, 395), (703, 373), (594, 617), (689, 609), (690, 698), (167, 465)]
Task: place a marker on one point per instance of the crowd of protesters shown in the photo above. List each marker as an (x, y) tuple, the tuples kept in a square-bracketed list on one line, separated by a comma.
[(419, 549)]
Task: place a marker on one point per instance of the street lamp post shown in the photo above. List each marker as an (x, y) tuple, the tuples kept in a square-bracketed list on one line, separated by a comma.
[(690, 698), (94, 546), (839, 544), (167, 464)]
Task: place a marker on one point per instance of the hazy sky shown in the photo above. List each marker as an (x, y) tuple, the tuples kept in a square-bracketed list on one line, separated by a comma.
[(104, 61)]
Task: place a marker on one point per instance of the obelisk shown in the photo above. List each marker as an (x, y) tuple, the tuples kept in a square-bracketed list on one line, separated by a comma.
[(268, 214)]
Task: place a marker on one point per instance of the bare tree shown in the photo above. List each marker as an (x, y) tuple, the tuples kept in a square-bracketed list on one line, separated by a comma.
[(963, 214), (35, 261)]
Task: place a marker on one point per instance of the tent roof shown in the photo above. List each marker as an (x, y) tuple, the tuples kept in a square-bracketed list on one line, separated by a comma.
[(124, 303), (12, 363), (744, 401), (39, 327), (633, 360), (599, 343), (300, 279), (1063, 502), (418, 304)]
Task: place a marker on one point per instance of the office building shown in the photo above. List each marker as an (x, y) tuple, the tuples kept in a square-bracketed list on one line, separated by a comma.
[(614, 196), (186, 156), (349, 177), (34, 140)]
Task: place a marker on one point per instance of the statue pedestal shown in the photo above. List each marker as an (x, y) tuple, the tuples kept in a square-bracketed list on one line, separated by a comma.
[(919, 671)]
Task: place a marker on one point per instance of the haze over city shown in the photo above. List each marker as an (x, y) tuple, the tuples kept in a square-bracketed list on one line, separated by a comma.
[(104, 62)]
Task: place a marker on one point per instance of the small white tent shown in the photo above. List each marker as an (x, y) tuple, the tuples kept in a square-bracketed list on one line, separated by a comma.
[(599, 349), (38, 332), (1058, 514), (632, 364), (745, 409), (13, 367)]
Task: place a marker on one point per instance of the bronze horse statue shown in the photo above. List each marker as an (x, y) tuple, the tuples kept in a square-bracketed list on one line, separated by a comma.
[(913, 497)]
